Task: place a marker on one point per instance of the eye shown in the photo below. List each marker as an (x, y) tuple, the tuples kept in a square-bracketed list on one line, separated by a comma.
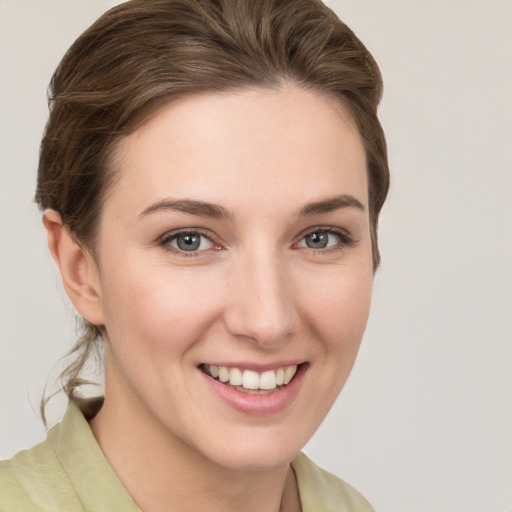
[(188, 241), (325, 239)]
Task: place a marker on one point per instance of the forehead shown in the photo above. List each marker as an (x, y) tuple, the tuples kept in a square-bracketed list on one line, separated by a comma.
[(255, 145)]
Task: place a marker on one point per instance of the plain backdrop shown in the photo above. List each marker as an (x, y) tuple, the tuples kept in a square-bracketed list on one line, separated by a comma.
[(425, 421)]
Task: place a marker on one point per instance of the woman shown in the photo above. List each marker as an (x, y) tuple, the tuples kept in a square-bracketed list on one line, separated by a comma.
[(211, 177)]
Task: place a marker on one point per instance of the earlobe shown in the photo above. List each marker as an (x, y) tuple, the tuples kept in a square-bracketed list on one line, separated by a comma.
[(78, 269)]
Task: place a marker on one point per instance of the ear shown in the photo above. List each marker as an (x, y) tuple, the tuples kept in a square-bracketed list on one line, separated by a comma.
[(78, 269)]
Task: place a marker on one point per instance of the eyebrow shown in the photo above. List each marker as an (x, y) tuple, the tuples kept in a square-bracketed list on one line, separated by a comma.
[(199, 208), (216, 211), (331, 204)]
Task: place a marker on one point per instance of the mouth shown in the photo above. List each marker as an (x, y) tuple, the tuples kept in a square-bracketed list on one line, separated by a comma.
[(250, 381)]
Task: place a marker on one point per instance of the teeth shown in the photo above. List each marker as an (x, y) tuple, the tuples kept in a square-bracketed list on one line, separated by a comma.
[(235, 377), (280, 377), (268, 380), (289, 373), (223, 374), (251, 380)]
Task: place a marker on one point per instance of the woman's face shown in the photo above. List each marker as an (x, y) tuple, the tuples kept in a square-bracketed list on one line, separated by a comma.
[(235, 245)]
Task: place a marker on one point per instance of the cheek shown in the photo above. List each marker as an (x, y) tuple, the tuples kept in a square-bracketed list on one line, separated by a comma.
[(155, 308), (336, 311), (338, 307)]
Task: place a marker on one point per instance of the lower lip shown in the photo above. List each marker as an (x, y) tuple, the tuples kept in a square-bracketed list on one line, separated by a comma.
[(269, 403)]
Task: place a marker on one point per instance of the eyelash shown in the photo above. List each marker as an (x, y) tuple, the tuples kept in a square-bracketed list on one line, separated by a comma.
[(344, 240), (166, 240)]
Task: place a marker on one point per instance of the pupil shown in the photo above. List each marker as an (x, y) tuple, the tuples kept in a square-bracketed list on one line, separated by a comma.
[(189, 242), (317, 240)]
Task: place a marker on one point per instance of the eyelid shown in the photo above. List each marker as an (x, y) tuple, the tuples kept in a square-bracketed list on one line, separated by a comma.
[(164, 242), (344, 236)]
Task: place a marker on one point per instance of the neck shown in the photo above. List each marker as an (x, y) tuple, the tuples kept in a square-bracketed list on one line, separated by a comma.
[(161, 472)]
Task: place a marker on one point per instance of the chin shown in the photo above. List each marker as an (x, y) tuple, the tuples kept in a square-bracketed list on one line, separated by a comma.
[(258, 450)]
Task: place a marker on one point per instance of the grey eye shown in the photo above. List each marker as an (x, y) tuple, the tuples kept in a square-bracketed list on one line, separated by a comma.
[(190, 242), (321, 239), (318, 240)]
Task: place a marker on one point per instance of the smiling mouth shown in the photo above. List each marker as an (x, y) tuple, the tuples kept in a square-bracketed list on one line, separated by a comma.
[(249, 381)]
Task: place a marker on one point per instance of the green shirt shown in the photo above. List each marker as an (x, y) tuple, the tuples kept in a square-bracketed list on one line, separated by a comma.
[(69, 473)]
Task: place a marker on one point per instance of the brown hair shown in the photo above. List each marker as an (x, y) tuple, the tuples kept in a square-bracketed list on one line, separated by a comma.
[(143, 54)]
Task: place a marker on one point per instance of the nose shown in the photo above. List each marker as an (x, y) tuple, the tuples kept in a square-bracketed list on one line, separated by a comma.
[(261, 306)]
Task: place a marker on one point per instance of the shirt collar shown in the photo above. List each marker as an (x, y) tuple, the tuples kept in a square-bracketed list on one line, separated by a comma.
[(92, 477)]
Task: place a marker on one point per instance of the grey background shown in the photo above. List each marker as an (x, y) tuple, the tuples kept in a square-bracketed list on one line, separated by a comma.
[(425, 421)]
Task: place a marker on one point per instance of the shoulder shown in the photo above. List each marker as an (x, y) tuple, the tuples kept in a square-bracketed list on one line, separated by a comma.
[(35, 480), (68, 472), (321, 491)]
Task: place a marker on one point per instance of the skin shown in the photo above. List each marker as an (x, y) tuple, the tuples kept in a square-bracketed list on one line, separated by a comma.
[(254, 292)]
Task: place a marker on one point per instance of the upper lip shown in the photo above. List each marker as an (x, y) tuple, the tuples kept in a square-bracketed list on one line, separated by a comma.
[(246, 365)]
